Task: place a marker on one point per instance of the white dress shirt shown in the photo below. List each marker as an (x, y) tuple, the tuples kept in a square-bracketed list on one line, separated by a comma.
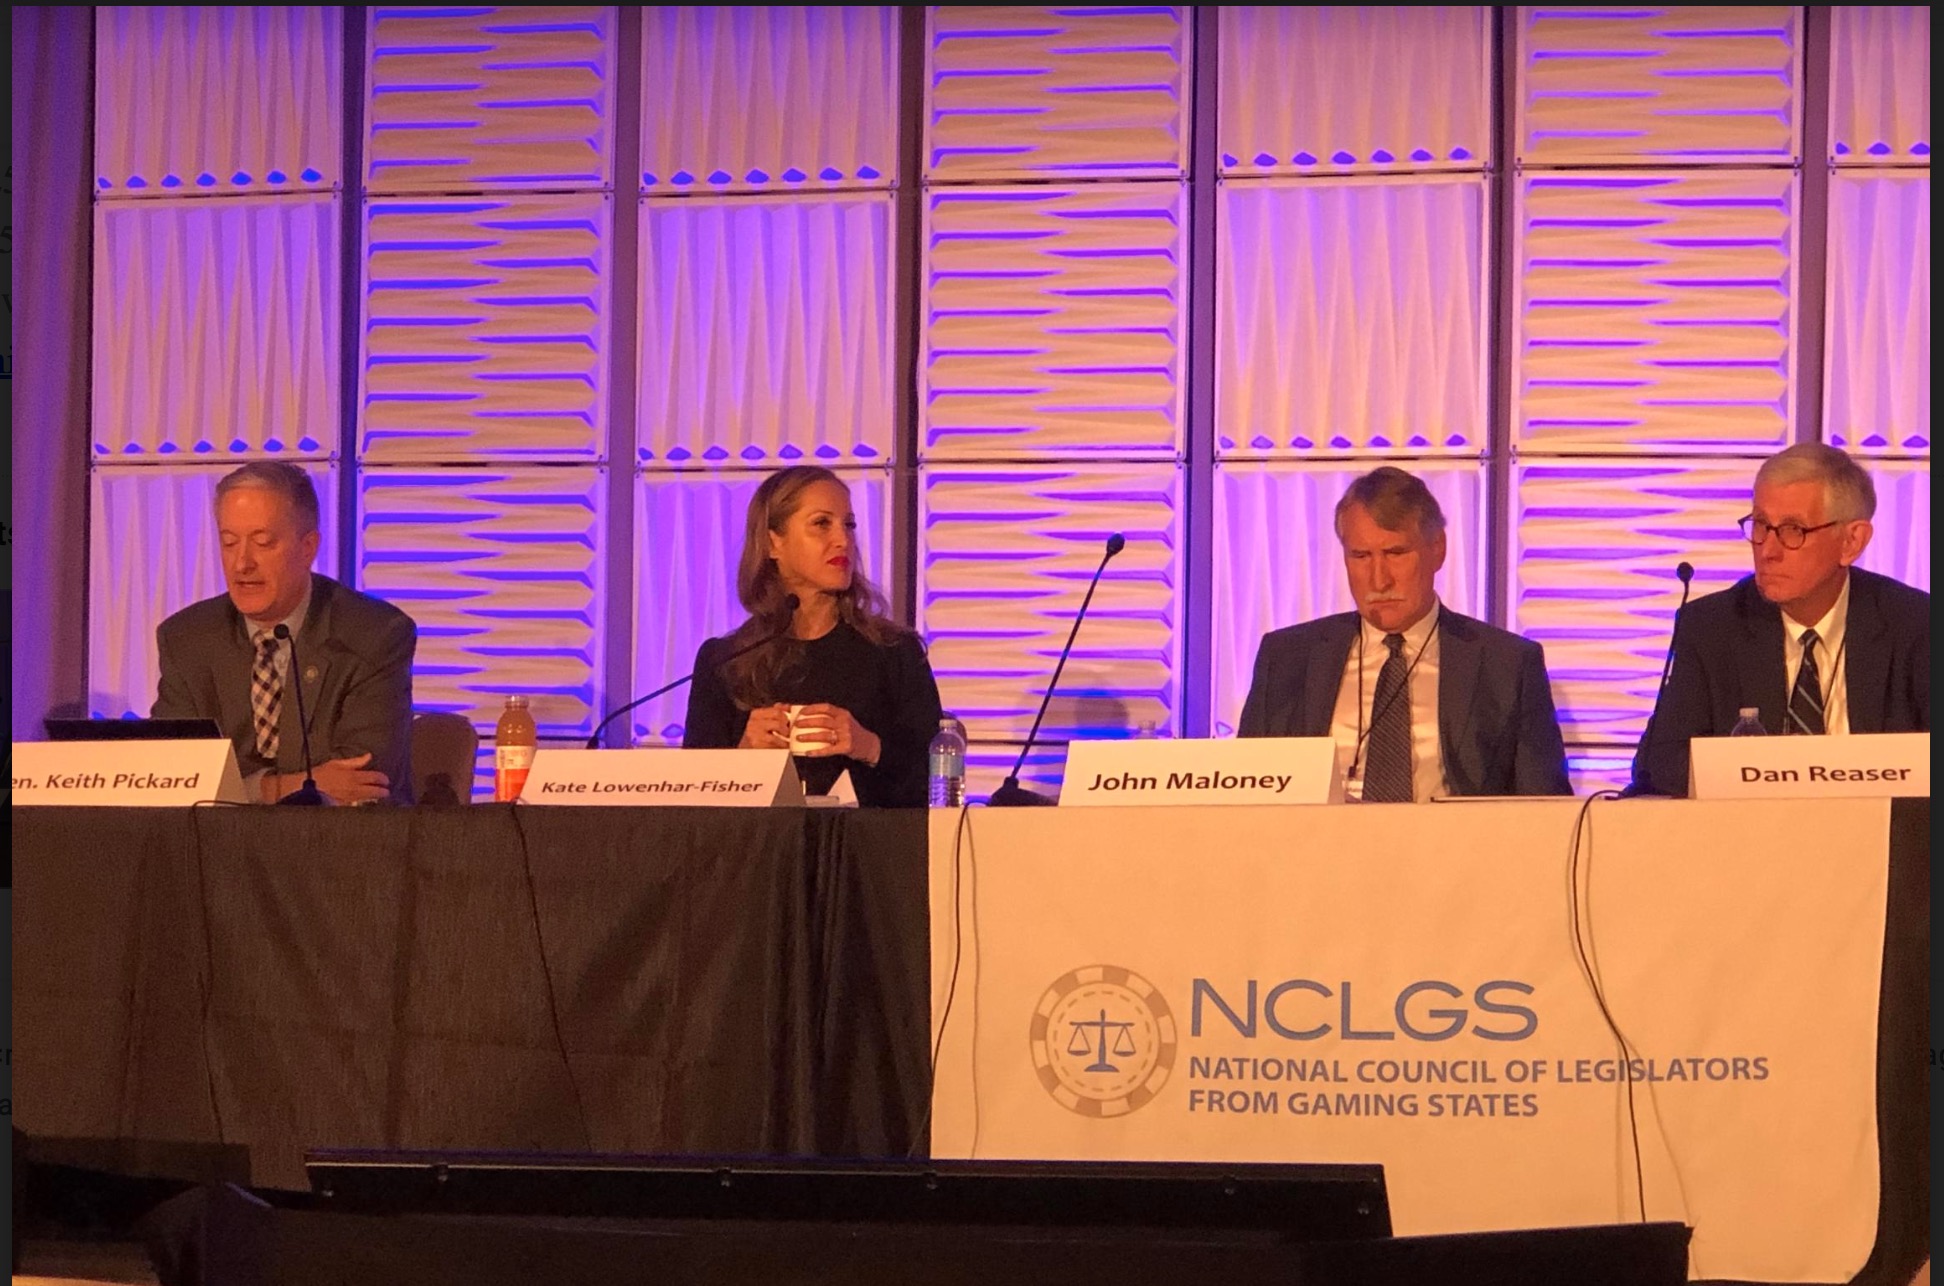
[(1831, 662), (1350, 726)]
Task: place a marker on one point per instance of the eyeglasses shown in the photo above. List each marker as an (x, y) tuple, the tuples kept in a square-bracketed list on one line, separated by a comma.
[(1791, 534)]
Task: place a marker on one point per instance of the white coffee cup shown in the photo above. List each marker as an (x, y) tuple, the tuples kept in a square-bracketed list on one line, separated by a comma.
[(799, 746)]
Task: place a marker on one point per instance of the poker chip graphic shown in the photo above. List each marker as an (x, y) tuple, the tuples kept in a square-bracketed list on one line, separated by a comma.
[(1103, 1041)]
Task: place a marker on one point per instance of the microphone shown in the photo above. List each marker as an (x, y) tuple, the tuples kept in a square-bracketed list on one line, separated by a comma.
[(1010, 793), (1684, 570), (790, 604), (308, 793)]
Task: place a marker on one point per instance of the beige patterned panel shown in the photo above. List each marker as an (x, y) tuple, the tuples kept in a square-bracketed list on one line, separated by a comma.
[(1053, 321), (1879, 93), (1024, 93), (1677, 85), (1656, 312), (1877, 329)]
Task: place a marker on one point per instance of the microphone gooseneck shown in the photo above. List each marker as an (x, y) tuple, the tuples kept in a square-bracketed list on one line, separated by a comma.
[(1685, 571), (1010, 792), (308, 793), (790, 604)]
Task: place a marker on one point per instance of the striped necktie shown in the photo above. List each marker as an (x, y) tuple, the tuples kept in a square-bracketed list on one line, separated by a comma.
[(1806, 702), (1387, 770)]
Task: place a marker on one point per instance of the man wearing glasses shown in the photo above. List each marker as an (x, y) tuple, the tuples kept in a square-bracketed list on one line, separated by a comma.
[(1819, 646)]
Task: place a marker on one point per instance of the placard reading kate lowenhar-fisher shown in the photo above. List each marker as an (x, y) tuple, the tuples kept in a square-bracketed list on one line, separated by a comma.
[(649, 776), (1861, 765), (126, 774), (1267, 770)]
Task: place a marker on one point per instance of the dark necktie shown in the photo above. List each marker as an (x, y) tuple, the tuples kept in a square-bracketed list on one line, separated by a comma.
[(1387, 768), (1806, 702), (266, 697)]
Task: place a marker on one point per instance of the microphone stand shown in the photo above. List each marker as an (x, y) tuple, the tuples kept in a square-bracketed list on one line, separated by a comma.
[(308, 793), (790, 605), (1010, 793), (1685, 570)]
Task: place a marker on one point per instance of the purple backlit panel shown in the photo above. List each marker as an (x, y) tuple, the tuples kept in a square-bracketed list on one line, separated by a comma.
[(1024, 93), (766, 332), (217, 100), (1004, 559), (1598, 768), (1053, 322), (1280, 564), (688, 539), (767, 98), (501, 569), (1701, 84), (1877, 343), (1594, 546), (1352, 317), (463, 99), (1299, 88), (1655, 311), (485, 329), (1879, 92), (1901, 547), (152, 551), (216, 328)]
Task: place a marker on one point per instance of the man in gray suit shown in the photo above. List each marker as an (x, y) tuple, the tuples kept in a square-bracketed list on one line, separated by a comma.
[(222, 659), (1420, 700)]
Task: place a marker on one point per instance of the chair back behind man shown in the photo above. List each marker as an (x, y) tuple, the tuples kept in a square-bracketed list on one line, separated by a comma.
[(445, 749)]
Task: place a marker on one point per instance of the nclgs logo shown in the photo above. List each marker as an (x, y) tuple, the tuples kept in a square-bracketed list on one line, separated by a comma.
[(1103, 1041)]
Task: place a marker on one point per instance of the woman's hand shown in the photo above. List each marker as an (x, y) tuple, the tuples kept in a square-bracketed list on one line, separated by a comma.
[(768, 729), (836, 733)]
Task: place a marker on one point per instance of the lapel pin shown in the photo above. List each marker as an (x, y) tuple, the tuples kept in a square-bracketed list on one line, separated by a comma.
[(310, 674)]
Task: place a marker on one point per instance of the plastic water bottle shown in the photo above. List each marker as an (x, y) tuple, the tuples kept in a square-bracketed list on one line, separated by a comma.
[(946, 758), (1750, 723), (513, 744)]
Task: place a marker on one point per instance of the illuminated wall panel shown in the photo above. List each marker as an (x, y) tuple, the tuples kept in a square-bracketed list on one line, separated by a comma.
[(1688, 84), (1901, 546), (216, 327), (1352, 317), (502, 570), (1877, 345), (486, 329), (515, 97), (1879, 91), (1053, 321), (766, 331), (1003, 564), (1297, 88), (1279, 560), (986, 766), (1015, 92), (1655, 312), (152, 551), (764, 98), (220, 99), (688, 539), (1594, 547)]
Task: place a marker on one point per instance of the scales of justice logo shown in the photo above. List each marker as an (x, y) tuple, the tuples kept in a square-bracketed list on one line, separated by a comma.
[(1103, 1041)]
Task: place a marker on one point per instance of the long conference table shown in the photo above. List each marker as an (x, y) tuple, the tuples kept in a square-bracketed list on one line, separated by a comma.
[(1139, 983)]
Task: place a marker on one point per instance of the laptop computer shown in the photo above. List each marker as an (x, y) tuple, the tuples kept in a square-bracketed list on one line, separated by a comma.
[(132, 730)]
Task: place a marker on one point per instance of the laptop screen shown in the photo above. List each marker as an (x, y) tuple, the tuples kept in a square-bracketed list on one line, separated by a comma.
[(132, 730)]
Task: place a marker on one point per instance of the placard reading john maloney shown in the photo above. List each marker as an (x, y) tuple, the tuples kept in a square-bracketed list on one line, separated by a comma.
[(1401, 986)]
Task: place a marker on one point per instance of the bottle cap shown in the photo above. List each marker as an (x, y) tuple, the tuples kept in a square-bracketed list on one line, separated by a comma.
[(1750, 712), (517, 701)]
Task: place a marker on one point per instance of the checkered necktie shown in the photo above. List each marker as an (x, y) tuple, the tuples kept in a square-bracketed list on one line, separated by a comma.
[(1387, 769), (266, 696), (1806, 702)]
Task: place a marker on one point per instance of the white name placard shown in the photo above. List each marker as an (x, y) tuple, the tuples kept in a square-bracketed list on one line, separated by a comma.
[(1266, 770), (1870, 763), (126, 774), (691, 778)]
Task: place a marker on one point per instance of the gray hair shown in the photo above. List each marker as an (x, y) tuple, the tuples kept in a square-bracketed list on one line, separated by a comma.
[(1395, 499), (1848, 493), (282, 477)]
